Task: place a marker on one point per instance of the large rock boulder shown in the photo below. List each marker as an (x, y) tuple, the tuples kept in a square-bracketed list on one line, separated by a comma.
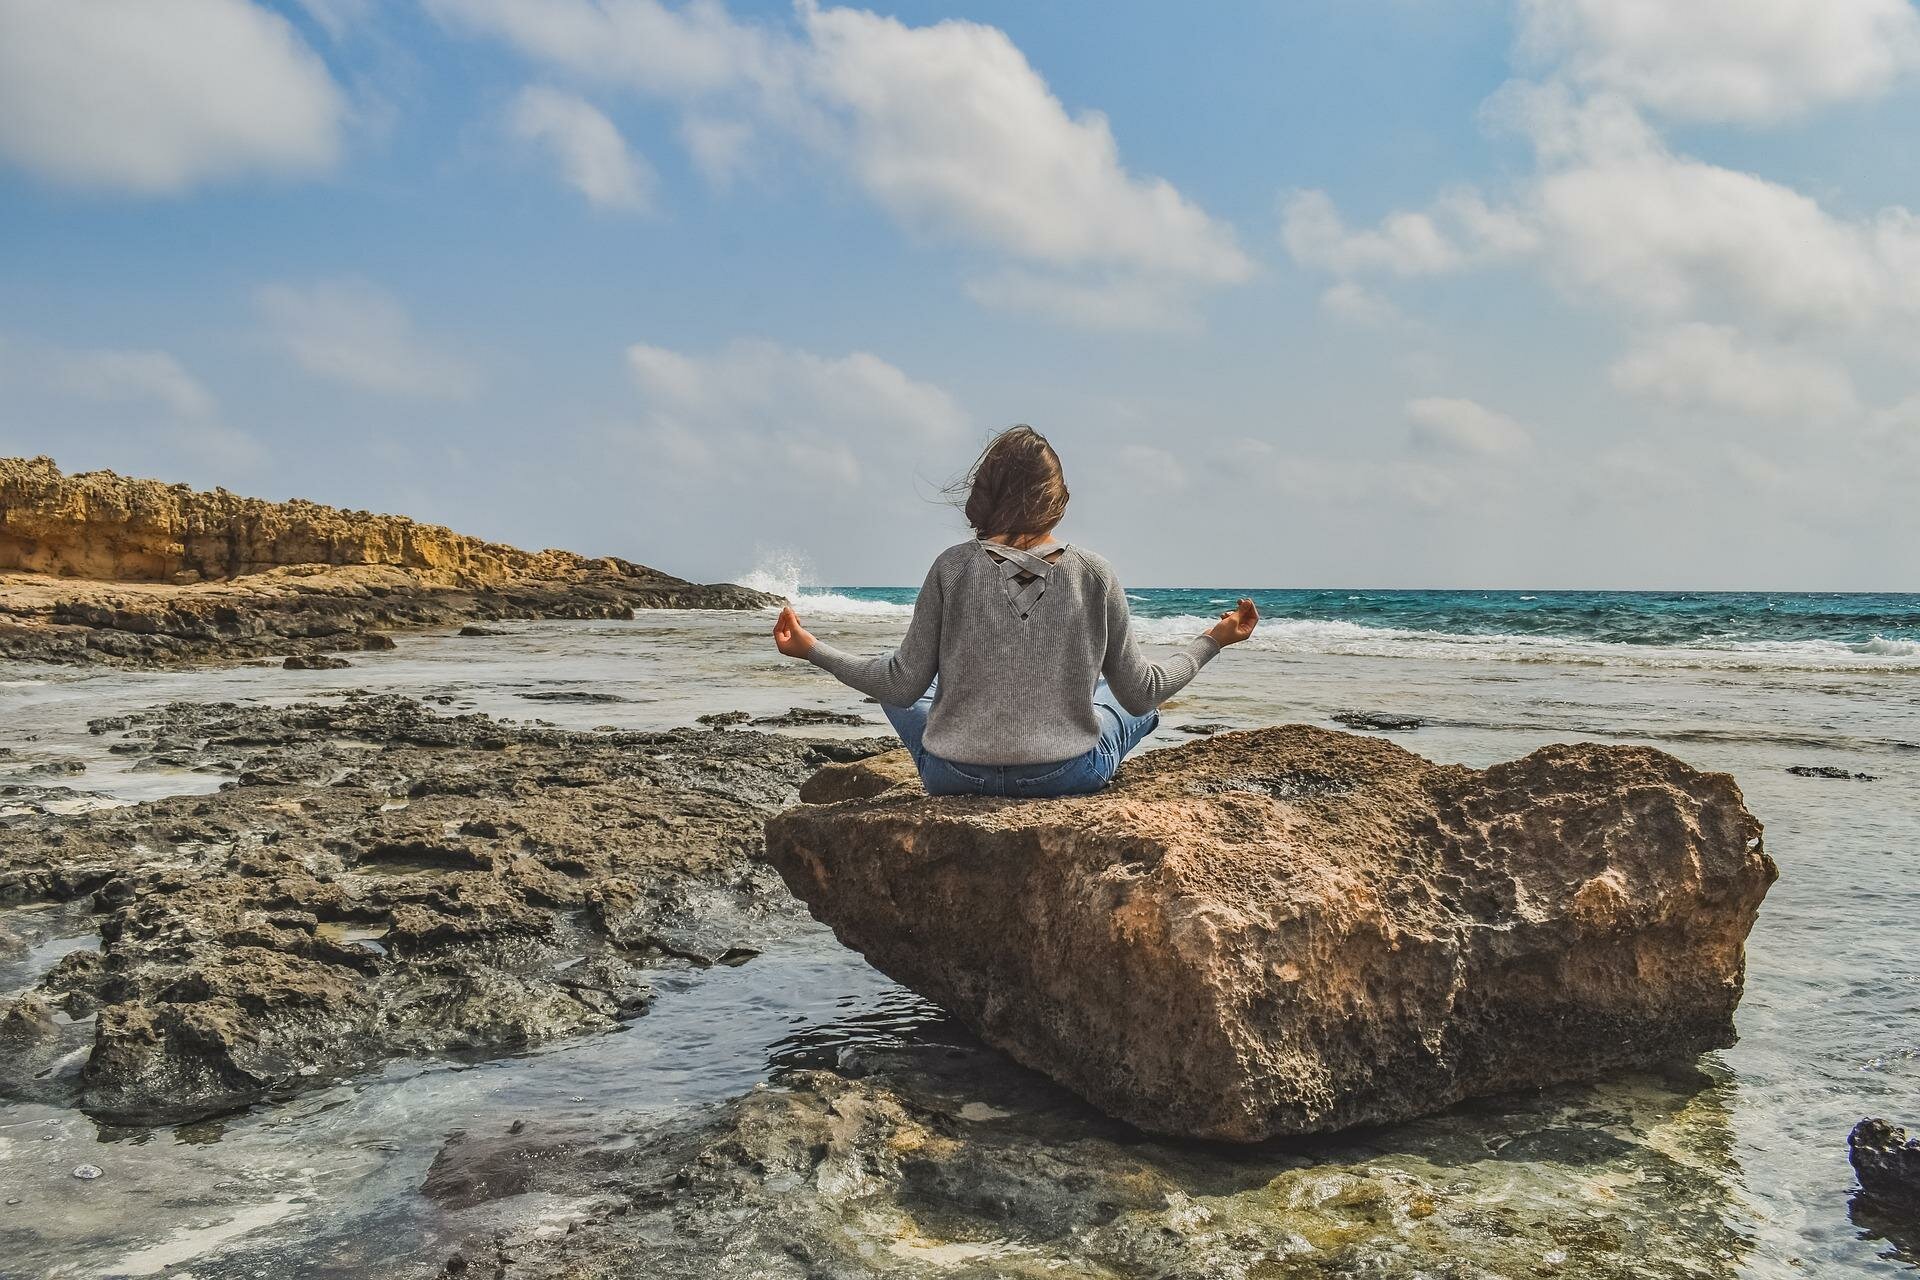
[(1295, 930)]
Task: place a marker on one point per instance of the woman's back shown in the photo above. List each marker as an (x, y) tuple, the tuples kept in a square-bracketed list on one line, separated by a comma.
[(1018, 631), (1016, 687)]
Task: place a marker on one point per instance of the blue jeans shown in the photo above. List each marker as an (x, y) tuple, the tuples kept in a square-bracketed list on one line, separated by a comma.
[(1120, 732)]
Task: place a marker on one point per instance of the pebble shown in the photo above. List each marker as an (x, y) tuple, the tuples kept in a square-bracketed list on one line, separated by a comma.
[(87, 1172)]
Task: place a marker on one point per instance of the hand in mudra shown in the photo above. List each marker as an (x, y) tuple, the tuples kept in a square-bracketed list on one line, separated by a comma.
[(1235, 624), (789, 636)]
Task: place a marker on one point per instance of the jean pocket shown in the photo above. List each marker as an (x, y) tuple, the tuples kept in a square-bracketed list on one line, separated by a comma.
[(944, 778), (1079, 776)]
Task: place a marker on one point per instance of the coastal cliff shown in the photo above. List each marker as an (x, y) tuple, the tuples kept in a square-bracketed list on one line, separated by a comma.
[(98, 567)]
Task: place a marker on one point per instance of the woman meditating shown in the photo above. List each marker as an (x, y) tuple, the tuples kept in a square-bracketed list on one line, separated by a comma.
[(1019, 675)]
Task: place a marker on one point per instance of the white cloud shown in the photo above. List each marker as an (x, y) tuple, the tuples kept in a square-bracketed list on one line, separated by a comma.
[(783, 406), (1126, 302), (348, 331), (1459, 231), (951, 129), (947, 127), (156, 96), (1626, 217), (593, 157), (826, 452), (1725, 60), (1355, 304), (1702, 366), (1149, 468), (1447, 425), (718, 146), (124, 404), (338, 17), (694, 49), (151, 378), (1613, 213)]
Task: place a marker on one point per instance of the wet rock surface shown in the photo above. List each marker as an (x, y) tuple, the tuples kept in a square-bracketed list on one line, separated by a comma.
[(382, 882), (799, 717), (1887, 1162), (942, 1159), (1830, 771), (1384, 721), (1294, 930)]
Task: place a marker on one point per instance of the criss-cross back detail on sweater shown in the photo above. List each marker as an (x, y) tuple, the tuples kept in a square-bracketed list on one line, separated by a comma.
[(1024, 573)]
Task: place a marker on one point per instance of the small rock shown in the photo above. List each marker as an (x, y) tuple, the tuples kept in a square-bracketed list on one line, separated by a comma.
[(1203, 727), (799, 716), (1829, 771), (478, 632), (1887, 1162), (315, 662), (718, 718), (573, 695), (87, 1172), (1384, 721), (25, 1021), (57, 769)]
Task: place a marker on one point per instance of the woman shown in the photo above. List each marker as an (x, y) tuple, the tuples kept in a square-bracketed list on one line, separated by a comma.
[(998, 688)]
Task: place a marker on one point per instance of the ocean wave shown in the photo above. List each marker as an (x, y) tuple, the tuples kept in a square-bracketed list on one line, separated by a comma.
[(831, 604), (1352, 639), (1889, 648), (1619, 632), (791, 576)]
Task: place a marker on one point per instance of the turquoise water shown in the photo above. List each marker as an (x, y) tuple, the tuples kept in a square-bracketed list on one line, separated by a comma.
[(1812, 629)]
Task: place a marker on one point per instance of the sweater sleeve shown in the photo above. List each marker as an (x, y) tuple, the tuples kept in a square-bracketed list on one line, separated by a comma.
[(899, 678), (1138, 684)]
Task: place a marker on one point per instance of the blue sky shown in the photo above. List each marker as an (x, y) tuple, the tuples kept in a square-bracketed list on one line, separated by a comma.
[(1601, 293)]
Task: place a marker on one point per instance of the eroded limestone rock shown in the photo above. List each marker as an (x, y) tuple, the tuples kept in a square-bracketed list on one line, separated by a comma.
[(1295, 930), (98, 567), (384, 882)]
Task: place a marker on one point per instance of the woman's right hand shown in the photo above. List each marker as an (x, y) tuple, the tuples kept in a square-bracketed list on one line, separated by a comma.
[(1235, 624), (789, 636)]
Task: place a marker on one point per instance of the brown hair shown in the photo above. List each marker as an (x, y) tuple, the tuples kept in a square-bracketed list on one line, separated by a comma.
[(1016, 488)]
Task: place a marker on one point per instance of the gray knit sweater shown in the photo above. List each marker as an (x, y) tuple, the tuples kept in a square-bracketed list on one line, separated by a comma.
[(1017, 690)]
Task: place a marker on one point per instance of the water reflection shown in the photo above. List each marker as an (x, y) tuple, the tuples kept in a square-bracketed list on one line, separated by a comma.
[(894, 1020), (1897, 1234)]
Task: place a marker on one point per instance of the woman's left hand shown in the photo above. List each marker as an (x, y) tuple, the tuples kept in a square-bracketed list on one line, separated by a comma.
[(1236, 624), (789, 636)]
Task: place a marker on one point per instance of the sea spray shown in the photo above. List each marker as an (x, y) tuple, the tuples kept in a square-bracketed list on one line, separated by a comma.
[(791, 575)]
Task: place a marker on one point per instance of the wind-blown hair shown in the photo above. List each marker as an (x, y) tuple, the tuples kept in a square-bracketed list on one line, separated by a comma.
[(1015, 488)]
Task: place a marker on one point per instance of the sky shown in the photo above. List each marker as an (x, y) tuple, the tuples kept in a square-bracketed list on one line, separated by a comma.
[(1370, 293)]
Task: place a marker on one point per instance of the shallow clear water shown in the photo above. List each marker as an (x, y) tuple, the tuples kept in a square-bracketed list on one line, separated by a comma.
[(1830, 1025)]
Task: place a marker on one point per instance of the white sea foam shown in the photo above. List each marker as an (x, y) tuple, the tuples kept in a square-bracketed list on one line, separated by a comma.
[(1328, 636), (791, 576), (831, 604)]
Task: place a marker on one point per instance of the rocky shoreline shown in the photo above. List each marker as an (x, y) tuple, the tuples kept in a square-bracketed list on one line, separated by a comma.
[(98, 568), (381, 881)]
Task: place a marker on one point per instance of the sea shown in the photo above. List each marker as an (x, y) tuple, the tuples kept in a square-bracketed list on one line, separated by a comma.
[(1758, 685)]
